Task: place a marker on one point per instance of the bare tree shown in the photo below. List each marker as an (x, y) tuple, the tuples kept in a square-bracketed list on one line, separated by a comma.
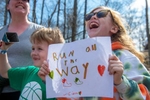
[(34, 11), (52, 14), (85, 8), (58, 13), (147, 27), (5, 13), (71, 20), (42, 11), (74, 21), (64, 32)]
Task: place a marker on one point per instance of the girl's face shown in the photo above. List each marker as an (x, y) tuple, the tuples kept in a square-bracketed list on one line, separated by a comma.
[(100, 26), (39, 52), (18, 7)]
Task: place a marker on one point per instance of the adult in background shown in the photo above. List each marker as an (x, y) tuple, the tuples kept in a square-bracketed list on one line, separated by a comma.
[(18, 53)]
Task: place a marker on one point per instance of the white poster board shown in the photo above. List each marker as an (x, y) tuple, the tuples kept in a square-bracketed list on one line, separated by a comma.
[(80, 69)]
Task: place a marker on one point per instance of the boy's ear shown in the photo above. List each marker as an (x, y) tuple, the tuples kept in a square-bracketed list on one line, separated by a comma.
[(114, 29)]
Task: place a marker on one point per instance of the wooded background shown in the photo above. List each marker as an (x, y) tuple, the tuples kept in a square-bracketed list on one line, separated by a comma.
[(68, 15)]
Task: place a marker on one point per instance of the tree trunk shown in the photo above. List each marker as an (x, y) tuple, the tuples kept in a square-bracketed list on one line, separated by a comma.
[(5, 13), (34, 11), (42, 11), (147, 29), (74, 21), (50, 17), (58, 13), (84, 30), (64, 32)]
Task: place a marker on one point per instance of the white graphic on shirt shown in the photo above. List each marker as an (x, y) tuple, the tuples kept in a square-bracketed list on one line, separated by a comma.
[(31, 91)]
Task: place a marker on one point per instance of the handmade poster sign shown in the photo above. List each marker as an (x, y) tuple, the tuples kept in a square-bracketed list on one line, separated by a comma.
[(80, 69)]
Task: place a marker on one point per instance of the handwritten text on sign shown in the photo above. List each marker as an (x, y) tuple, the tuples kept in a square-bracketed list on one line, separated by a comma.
[(79, 69)]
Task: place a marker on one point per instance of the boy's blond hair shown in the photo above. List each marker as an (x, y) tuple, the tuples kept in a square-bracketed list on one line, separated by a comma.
[(50, 35)]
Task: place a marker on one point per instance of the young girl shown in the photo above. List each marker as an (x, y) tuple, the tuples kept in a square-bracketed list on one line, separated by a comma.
[(131, 78), (26, 79)]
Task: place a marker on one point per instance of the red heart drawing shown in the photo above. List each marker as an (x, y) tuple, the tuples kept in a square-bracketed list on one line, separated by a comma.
[(101, 69)]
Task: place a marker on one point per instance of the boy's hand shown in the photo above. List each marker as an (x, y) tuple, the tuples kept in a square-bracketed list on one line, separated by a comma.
[(44, 70)]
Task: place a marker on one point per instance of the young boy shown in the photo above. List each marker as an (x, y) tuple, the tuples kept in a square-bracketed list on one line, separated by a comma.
[(26, 79)]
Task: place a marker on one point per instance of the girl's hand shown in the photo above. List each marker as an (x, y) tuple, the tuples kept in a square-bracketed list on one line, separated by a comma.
[(44, 70), (116, 69)]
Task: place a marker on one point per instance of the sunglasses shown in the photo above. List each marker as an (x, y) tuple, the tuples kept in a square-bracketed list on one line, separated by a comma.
[(99, 14)]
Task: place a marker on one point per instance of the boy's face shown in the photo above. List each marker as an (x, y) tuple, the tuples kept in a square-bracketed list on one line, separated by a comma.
[(39, 52)]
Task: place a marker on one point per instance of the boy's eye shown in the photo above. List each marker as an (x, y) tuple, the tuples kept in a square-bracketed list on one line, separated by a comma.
[(39, 48), (33, 48)]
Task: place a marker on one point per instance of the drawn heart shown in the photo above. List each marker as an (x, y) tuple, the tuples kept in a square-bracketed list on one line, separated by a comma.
[(51, 74), (101, 69)]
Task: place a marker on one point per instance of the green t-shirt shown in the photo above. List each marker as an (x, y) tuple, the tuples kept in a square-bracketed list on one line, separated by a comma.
[(26, 80)]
